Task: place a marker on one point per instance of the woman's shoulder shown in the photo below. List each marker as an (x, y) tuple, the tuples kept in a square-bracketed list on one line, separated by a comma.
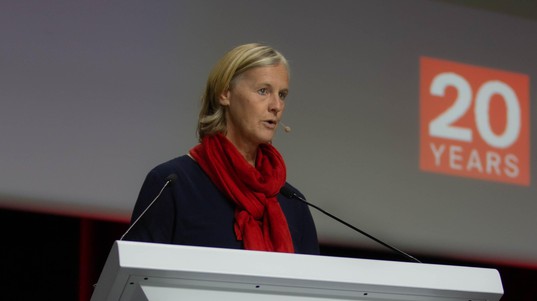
[(181, 161), (180, 166)]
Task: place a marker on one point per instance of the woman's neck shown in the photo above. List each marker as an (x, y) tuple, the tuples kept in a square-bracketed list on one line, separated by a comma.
[(247, 150)]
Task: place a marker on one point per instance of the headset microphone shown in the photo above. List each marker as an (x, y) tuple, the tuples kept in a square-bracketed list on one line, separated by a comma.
[(286, 128)]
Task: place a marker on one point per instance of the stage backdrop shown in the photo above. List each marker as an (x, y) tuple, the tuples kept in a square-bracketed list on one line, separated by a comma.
[(412, 120)]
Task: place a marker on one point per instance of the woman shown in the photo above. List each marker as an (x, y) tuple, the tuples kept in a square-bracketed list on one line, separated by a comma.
[(226, 193)]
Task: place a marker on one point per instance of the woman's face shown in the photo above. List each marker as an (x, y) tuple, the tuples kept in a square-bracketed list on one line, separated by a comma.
[(255, 103)]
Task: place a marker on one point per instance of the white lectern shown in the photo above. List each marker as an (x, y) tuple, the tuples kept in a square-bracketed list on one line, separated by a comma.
[(147, 271)]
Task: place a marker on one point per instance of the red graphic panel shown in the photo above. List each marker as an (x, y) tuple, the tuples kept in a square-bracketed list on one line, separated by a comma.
[(474, 122)]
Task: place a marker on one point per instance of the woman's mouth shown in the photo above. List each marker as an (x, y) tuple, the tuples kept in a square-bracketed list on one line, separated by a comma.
[(270, 123)]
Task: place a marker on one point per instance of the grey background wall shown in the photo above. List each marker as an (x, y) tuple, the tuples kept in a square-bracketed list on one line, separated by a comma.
[(94, 94)]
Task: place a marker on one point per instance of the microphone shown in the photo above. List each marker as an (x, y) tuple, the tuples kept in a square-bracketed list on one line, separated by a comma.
[(169, 180), (290, 193), (286, 128)]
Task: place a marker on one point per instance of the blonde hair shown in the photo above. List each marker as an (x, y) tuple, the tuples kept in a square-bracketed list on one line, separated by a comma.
[(212, 118)]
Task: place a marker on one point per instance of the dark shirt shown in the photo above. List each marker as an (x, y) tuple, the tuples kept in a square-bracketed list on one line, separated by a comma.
[(192, 211)]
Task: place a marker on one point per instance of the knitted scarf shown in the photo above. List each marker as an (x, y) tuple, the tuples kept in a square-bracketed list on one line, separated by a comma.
[(259, 219)]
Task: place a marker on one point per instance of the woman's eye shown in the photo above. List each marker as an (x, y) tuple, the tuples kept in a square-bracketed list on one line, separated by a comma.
[(262, 91), (282, 95)]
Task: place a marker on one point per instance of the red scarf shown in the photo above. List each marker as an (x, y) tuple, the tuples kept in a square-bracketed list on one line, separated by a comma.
[(259, 219)]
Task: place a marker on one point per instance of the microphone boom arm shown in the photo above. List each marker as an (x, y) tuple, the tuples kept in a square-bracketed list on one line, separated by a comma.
[(286, 191)]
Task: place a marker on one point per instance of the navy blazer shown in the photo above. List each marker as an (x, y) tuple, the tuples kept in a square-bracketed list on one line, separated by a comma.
[(192, 211)]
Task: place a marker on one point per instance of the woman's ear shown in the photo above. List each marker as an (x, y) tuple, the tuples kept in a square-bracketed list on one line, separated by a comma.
[(224, 97)]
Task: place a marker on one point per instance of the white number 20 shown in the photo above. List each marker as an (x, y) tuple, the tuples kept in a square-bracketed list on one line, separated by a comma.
[(443, 127)]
